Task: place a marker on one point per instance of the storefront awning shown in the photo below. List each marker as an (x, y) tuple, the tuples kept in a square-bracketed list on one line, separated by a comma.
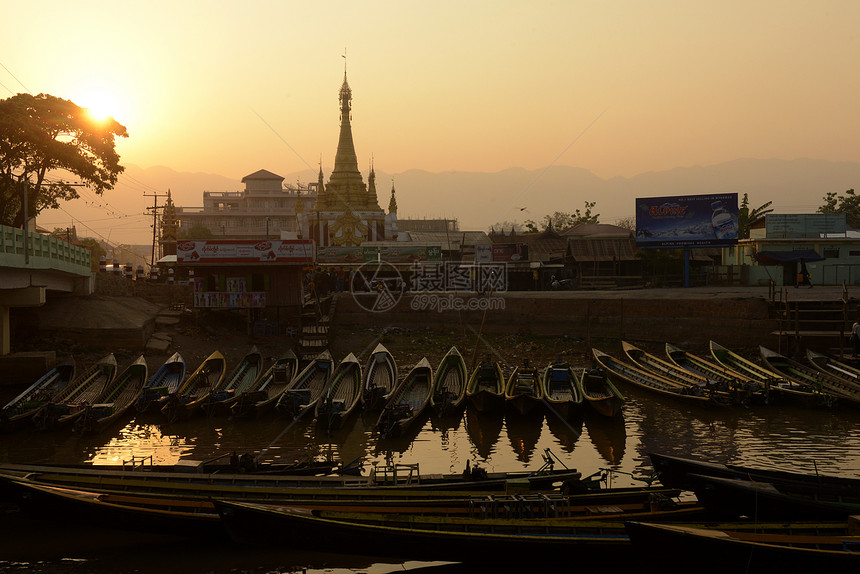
[(777, 257)]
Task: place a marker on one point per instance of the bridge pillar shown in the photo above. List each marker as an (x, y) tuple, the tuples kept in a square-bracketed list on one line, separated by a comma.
[(25, 297)]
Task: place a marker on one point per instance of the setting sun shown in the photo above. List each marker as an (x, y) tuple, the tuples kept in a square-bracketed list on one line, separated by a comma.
[(100, 105), (101, 100)]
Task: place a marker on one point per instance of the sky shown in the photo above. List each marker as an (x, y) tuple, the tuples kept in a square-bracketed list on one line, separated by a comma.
[(616, 87)]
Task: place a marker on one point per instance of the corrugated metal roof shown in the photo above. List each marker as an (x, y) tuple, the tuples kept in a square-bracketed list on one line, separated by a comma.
[(597, 230), (585, 249), (543, 246), (451, 240)]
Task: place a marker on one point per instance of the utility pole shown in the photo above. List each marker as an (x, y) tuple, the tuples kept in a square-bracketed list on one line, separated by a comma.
[(155, 207)]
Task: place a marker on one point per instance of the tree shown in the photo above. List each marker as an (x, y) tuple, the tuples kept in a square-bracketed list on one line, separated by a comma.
[(849, 204), (747, 217), (197, 231), (44, 138), (561, 220), (628, 223), (96, 251)]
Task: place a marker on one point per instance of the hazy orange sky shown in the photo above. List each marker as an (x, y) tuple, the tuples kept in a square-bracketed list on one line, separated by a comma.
[(618, 88)]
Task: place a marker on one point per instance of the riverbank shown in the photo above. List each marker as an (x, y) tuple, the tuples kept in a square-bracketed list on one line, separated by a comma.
[(539, 326)]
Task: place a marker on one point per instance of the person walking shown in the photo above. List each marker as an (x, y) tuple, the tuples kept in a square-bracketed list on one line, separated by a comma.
[(804, 278)]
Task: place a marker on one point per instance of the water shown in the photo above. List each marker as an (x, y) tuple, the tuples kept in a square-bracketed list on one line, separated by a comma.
[(826, 441)]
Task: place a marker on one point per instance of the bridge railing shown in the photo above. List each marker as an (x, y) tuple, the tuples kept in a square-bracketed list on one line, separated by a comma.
[(45, 252)]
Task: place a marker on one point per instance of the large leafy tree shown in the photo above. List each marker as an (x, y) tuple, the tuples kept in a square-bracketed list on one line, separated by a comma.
[(849, 204), (46, 141), (96, 251), (747, 217)]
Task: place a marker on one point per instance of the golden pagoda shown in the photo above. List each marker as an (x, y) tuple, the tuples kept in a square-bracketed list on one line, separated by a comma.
[(346, 211)]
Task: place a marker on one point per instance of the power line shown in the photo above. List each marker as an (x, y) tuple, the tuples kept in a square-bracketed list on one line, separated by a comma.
[(144, 186), (16, 79)]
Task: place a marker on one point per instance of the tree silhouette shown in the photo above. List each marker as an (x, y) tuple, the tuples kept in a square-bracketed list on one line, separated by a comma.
[(44, 142), (849, 204), (747, 217)]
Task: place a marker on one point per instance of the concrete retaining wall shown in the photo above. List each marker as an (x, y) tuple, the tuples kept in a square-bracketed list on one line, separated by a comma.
[(693, 322)]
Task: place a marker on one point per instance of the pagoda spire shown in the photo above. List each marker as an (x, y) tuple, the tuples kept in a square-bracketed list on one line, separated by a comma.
[(392, 204), (345, 160)]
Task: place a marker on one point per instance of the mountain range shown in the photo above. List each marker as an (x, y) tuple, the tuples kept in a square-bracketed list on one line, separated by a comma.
[(479, 200)]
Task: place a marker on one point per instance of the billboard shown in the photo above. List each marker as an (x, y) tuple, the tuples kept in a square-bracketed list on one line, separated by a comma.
[(223, 251), (786, 225), (687, 221), (501, 252)]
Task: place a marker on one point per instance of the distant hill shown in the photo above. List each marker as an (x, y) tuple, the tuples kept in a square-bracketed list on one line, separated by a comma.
[(479, 200)]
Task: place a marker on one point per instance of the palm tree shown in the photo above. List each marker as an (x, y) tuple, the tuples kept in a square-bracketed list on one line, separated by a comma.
[(747, 217)]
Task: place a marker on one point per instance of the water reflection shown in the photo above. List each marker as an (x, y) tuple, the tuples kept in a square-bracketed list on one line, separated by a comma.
[(565, 431), (777, 436), (483, 430), (608, 435), (524, 432)]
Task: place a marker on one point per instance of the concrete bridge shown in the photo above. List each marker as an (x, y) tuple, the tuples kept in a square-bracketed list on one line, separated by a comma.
[(32, 266)]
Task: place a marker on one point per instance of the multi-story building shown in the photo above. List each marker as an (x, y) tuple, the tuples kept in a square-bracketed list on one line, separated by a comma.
[(265, 208)]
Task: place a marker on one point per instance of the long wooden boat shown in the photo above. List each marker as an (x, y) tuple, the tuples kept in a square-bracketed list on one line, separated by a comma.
[(306, 388), (723, 551), (606, 504), (408, 400), (273, 383), (735, 498), (19, 410), (380, 378), (178, 515), (523, 391), (810, 377), (675, 374), (385, 482), (649, 381), (834, 367), (561, 388), (486, 388), (164, 382), (299, 528), (674, 472), (69, 404), (449, 383), (599, 393), (742, 389), (779, 388), (342, 395), (209, 375), (244, 376), (118, 396)]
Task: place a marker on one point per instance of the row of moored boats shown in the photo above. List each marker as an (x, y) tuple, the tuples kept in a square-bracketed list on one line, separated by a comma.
[(330, 391), (727, 378)]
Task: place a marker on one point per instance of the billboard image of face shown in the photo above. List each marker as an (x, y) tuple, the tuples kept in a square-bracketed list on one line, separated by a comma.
[(687, 221)]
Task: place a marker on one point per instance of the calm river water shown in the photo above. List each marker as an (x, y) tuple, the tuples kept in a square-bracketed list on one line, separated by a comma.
[(774, 436)]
